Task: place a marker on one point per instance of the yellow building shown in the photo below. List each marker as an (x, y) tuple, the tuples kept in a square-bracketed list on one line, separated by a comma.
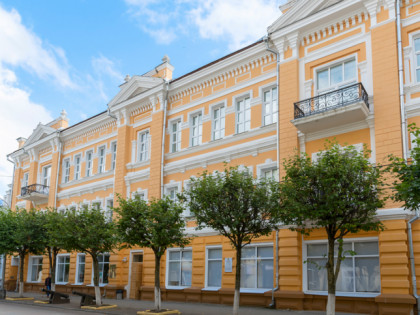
[(326, 69)]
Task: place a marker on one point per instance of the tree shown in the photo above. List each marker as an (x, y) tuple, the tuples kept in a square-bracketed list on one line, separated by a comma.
[(407, 173), (26, 235), (236, 206), (340, 193), (6, 239), (157, 225), (55, 224), (90, 231)]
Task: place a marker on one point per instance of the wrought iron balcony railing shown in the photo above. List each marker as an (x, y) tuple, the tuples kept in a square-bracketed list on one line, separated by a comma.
[(338, 98), (35, 188)]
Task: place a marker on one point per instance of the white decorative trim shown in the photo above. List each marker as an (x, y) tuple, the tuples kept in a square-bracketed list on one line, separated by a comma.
[(86, 189), (134, 177)]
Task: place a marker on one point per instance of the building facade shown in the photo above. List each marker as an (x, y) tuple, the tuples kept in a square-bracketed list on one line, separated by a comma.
[(327, 69)]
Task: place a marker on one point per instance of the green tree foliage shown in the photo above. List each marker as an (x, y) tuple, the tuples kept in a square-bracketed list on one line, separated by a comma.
[(340, 193), (237, 206), (89, 231), (157, 225), (407, 173), (22, 232)]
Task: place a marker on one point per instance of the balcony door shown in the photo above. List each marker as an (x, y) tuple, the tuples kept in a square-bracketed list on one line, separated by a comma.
[(46, 175)]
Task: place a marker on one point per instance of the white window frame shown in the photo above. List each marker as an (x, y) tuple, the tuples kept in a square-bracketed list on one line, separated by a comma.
[(66, 170), (107, 209), (168, 188), (267, 166), (221, 119), (62, 210), (316, 155), (143, 147), (141, 192), (96, 202), (199, 126), (328, 67), (99, 264), (56, 268), (167, 267), (338, 293), (177, 141), (273, 114), (77, 167), (25, 179), (78, 269), (89, 163), (256, 289), (30, 264), (46, 180), (101, 159), (237, 100), (113, 155), (206, 277)]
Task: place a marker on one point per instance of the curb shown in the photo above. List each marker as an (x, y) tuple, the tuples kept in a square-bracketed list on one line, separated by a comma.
[(151, 312), (103, 307), (20, 299)]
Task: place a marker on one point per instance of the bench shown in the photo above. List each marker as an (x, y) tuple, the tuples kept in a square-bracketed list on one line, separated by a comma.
[(86, 299), (57, 297)]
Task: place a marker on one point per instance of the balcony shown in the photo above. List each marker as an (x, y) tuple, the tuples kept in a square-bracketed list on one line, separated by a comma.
[(37, 193), (333, 109)]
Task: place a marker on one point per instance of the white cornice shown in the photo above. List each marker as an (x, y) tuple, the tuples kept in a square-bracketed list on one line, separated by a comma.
[(86, 189), (138, 176)]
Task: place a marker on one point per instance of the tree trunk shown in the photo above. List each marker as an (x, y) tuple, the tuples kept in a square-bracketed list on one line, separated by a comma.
[(157, 282), (236, 298), (96, 280), (331, 277), (53, 268), (21, 265)]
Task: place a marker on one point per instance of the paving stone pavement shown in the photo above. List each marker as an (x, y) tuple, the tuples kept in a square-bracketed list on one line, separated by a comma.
[(130, 307)]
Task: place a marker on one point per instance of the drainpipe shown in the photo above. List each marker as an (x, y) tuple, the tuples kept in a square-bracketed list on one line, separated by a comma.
[(266, 39), (412, 262), (58, 171), (162, 161)]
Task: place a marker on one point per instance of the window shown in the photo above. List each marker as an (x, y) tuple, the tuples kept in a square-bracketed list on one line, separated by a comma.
[(179, 267), (257, 267), (103, 261), (46, 175), (97, 205), (77, 167), (114, 155), (108, 209), (101, 160), (270, 107), (218, 123), (358, 273), (243, 115), (270, 173), (35, 269), (172, 193), (337, 76), (417, 52), (143, 154), (175, 136), (63, 268), (89, 163), (25, 179), (214, 267), (66, 171), (196, 129), (80, 268)]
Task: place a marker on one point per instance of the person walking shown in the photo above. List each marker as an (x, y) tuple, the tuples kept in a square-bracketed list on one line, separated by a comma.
[(48, 284)]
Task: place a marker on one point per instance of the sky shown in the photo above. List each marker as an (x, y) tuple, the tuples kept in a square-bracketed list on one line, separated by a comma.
[(73, 54)]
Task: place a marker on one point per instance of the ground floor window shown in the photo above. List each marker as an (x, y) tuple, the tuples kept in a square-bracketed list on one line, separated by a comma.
[(80, 268), (35, 269), (359, 273), (179, 267), (257, 267), (214, 267), (63, 268), (103, 261)]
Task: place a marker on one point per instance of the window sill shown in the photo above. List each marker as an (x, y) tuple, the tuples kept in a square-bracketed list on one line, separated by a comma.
[(243, 290), (76, 283), (348, 294), (100, 285), (177, 288), (134, 165), (211, 289), (33, 282), (61, 283)]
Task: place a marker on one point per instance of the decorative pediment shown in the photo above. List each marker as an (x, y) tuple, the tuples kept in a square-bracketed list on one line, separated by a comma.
[(300, 10), (134, 86), (40, 132)]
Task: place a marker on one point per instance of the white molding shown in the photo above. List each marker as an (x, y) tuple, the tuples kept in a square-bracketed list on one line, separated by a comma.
[(91, 143), (337, 130), (134, 177), (86, 189)]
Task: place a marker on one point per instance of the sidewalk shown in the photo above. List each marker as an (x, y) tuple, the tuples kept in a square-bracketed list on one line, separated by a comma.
[(130, 307)]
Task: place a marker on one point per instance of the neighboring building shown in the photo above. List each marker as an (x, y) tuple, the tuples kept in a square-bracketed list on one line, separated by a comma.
[(338, 77)]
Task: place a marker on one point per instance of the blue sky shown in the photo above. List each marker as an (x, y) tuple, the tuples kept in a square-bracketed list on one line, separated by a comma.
[(73, 54)]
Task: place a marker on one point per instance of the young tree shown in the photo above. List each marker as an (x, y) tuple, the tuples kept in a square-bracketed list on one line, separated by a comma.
[(236, 206), (90, 231), (27, 235), (157, 225), (6, 239), (407, 173), (340, 193), (55, 224)]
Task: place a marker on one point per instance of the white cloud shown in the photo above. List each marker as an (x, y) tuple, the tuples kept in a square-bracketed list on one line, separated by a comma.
[(105, 74), (237, 22)]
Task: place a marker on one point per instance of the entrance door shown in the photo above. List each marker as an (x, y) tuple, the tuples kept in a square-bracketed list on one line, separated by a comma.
[(136, 275)]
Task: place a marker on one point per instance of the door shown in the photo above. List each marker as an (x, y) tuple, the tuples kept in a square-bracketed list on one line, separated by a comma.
[(136, 275)]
